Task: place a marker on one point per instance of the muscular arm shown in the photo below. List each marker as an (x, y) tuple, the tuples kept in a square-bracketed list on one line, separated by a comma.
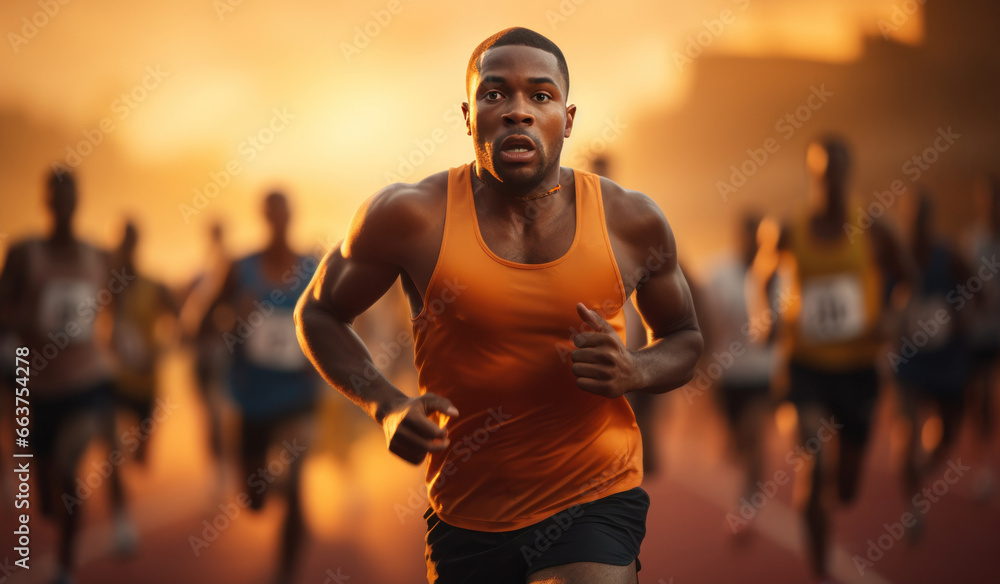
[(665, 304), (348, 281), (644, 244), (773, 244)]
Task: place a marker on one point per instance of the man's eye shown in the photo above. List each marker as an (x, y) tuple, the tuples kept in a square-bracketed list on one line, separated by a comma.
[(492, 94), (542, 97)]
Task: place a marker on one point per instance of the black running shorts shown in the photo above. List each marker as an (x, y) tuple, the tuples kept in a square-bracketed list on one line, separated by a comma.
[(605, 531)]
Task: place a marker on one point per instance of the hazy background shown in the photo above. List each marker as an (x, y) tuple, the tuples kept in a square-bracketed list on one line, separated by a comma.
[(672, 127), (673, 92)]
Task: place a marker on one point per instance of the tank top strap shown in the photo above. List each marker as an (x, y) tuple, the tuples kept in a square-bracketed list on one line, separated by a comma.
[(590, 204)]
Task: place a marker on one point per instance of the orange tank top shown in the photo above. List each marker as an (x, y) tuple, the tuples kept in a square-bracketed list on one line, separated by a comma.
[(495, 338)]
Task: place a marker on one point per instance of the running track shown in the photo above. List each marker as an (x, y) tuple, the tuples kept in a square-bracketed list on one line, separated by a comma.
[(367, 529)]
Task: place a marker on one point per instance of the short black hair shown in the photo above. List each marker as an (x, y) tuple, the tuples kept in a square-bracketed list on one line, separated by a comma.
[(520, 37)]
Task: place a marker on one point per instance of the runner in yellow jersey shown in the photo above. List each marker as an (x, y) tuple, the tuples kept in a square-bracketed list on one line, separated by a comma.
[(840, 265)]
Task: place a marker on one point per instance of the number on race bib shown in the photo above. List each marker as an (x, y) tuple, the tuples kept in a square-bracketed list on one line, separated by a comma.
[(833, 309), (273, 344)]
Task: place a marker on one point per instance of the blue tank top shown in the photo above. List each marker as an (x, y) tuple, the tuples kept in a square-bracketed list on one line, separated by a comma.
[(270, 376), (941, 364)]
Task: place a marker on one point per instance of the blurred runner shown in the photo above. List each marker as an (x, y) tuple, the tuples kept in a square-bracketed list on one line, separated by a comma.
[(835, 329), (204, 325), (274, 386), (744, 353), (138, 338), (931, 359), (55, 294)]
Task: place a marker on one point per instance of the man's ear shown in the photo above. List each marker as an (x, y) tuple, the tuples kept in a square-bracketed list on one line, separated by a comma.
[(468, 121), (570, 114)]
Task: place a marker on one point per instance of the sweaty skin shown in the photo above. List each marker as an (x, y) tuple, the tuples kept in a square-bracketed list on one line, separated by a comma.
[(397, 233)]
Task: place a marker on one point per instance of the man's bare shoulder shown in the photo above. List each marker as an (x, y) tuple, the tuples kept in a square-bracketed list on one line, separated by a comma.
[(400, 219), (634, 217), (410, 205)]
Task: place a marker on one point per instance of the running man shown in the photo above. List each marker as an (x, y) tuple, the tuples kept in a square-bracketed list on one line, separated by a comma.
[(137, 344), (203, 329), (935, 377), (516, 270), (744, 388), (53, 292), (271, 381), (834, 327)]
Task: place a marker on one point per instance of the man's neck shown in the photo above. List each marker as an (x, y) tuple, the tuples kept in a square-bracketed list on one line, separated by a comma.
[(278, 247), (532, 201), (62, 236)]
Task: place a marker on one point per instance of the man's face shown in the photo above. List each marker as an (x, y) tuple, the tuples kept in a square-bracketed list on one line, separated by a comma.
[(829, 168), (277, 214), (62, 204), (517, 114)]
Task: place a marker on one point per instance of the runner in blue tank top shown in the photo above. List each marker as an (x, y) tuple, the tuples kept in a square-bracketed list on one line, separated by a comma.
[(272, 383)]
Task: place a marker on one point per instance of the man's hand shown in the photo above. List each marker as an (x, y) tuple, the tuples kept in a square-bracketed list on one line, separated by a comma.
[(601, 363), (409, 431)]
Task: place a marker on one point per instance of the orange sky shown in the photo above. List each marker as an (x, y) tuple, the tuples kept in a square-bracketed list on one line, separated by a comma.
[(338, 110)]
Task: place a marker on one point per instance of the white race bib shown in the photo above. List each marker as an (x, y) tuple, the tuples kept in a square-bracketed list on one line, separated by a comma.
[(833, 309), (273, 344), (58, 305)]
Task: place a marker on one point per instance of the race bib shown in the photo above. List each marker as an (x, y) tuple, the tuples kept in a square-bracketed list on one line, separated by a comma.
[(833, 309), (273, 344), (58, 306)]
